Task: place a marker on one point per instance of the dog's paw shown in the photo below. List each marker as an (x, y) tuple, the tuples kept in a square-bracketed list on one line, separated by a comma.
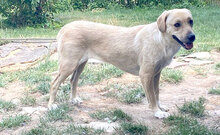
[(52, 106), (164, 108), (161, 114), (76, 101)]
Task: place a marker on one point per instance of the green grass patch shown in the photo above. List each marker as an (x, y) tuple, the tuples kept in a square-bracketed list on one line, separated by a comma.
[(59, 113), (217, 66), (184, 125), (14, 121), (195, 108), (79, 130), (128, 128), (93, 74), (43, 87), (133, 95), (28, 100), (111, 116), (7, 105), (6, 78), (171, 75), (215, 91), (4, 42)]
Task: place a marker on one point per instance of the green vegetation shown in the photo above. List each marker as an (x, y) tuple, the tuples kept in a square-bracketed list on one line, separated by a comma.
[(28, 100), (217, 66), (59, 113), (184, 125), (172, 75), (195, 108), (133, 95), (79, 130), (14, 121), (4, 42), (96, 73), (6, 105), (132, 129), (215, 91), (112, 116)]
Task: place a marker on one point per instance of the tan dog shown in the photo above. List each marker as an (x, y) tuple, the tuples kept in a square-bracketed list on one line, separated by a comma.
[(141, 50)]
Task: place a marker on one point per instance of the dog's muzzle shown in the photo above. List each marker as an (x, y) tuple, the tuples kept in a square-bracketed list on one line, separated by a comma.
[(188, 45)]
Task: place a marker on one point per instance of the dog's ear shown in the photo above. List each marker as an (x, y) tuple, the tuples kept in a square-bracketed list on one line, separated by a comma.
[(161, 21)]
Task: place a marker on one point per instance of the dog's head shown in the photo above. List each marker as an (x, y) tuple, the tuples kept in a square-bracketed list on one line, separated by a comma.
[(178, 24)]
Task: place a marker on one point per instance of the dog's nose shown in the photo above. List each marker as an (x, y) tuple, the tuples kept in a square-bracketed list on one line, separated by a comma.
[(191, 37)]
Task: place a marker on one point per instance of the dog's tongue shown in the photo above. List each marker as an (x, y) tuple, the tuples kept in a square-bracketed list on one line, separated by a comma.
[(188, 45)]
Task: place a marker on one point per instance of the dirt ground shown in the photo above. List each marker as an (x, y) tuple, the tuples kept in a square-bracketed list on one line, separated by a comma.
[(198, 80)]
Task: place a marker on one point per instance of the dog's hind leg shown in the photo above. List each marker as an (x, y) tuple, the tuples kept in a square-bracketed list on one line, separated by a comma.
[(66, 68), (73, 81)]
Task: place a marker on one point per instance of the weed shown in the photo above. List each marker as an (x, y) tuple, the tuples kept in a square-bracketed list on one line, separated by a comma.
[(7, 105), (59, 113), (28, 100), (96, 73), (217, 66), (215, 91), (172, 76), (132, 129), (4, 42), (5, 78), (43, 87), (195, 108), (113, 115), (79, 130), (14, 121), (133, 96), (183, 125), (64, 93)]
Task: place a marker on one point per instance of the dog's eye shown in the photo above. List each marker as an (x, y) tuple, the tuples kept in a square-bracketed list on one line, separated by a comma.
[(191, 22), (177, 24)]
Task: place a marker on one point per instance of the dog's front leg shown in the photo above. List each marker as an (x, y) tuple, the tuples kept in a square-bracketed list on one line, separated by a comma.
[(156, 88), (147, 80)]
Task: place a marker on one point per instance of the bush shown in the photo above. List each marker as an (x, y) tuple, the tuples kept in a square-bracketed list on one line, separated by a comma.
[(20, 13)]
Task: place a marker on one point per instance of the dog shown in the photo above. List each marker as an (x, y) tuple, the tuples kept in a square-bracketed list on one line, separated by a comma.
[(142, 50)]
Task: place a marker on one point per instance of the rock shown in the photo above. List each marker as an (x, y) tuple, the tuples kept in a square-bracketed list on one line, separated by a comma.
[(200, 55), (176, 64), (31, 110), (200, 62), (15, 56)]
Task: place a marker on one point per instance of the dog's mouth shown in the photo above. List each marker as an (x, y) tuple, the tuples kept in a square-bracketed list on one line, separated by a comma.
[(187, 46)]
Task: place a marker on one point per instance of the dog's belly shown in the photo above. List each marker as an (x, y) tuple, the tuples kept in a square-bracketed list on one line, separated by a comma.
[(124, 63)]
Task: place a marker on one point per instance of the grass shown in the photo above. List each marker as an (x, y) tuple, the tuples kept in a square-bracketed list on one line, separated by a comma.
[(79, 130), (128, 128), (43, 87), (171, 75), (98, 72), (7, 105), (133, 96), (131, 93), (217, 66), (59, 113), (28, 100), (111, 116), (215, 91), (195, 108), (4, 42), (184, 125), (14, 121)]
